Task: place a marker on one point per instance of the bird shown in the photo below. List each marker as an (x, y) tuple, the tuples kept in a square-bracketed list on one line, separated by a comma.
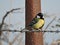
[(37, 22)]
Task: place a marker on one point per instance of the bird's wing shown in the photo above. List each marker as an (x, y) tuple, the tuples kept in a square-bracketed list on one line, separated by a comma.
[(35, 20)]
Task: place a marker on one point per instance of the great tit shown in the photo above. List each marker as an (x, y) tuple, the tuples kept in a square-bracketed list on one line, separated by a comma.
[(37, 22)]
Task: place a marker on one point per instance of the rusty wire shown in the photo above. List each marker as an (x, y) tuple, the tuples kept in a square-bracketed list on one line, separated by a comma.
[(25, 30)]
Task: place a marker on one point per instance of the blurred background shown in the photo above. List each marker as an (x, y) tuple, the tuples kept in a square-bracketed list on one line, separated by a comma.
[(16, 20)]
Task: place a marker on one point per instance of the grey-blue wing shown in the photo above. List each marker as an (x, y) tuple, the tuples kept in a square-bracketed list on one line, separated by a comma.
[(32, 22)]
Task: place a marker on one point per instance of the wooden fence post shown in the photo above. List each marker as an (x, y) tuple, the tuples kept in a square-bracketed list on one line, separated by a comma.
[(32, 8)]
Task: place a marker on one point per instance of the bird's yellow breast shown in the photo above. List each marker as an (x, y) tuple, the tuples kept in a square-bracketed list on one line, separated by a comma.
[(39, 24)]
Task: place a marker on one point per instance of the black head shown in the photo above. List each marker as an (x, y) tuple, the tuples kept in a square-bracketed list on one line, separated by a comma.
[(40, 15)]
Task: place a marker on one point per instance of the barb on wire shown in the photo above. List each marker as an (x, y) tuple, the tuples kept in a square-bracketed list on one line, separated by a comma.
[(51, 31)]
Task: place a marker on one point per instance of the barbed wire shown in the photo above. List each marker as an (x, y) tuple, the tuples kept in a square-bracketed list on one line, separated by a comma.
[(23, 30), (26, 30), (50, 23)]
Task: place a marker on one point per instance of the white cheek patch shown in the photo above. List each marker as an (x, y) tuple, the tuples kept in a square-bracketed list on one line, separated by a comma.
[(43, 16), (38, 16)]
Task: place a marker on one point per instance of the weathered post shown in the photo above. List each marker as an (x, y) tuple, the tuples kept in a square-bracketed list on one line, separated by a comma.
[(32, 8)]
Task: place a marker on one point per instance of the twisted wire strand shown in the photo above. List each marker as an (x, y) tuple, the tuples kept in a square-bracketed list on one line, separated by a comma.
[(25, 30)]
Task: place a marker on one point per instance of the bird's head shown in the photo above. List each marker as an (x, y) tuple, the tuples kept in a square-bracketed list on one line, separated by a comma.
[(40, 15)]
